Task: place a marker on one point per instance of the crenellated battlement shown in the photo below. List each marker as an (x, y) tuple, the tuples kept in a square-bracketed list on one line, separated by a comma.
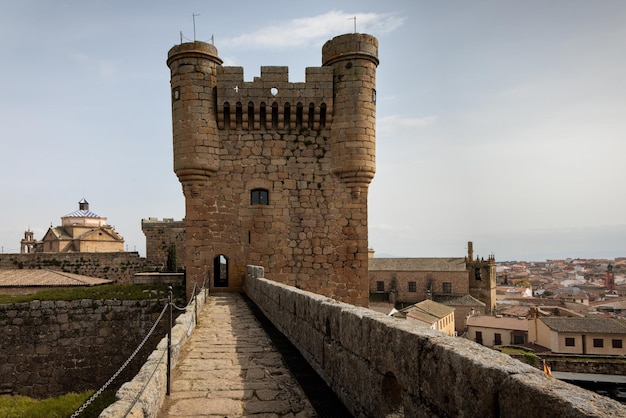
[(271, 102)]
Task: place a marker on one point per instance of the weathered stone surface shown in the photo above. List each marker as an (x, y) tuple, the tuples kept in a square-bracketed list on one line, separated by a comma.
[(148, 388), (534, 394), (52, 348), (237, 372), (382, 366)]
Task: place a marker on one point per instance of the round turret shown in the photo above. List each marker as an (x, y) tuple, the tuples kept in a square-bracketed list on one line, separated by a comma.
[(193, 69), (354, 58)]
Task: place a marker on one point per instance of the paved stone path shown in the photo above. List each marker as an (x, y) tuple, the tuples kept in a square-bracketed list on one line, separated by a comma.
[(229, 368)]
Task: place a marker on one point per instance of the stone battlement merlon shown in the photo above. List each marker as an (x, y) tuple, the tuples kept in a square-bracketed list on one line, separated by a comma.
[(272, 102)]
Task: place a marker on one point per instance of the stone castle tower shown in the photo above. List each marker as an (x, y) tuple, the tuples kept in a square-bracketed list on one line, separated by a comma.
[(276, 173), (482, 278)]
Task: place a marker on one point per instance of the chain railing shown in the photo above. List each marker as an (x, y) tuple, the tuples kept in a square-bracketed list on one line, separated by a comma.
[(117, 373), (169, 305)]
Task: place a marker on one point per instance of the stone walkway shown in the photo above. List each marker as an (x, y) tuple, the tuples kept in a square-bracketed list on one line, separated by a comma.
[(229, 368)]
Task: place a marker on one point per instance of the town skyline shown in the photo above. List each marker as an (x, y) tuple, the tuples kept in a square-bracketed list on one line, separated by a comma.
[(498, 123)]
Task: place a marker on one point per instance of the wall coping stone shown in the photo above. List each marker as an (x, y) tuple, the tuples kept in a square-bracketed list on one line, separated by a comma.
[(379, 365)]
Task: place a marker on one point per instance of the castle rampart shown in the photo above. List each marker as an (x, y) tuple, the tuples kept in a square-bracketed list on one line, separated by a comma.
[(381, 366), (271, 102)]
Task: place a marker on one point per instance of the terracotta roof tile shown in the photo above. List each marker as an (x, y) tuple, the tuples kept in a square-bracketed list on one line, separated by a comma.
[(417, 264), (588, 325), (43, 277)]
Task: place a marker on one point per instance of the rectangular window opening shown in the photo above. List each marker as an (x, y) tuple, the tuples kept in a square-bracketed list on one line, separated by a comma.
[(259, 197)]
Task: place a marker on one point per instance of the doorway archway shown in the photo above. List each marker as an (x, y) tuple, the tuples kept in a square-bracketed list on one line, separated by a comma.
[(220, 271)]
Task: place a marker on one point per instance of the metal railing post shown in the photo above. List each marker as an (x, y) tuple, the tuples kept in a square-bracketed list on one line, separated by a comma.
[(169, 345)]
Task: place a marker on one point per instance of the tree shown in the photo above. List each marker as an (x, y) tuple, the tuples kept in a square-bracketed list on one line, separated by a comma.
[(172, 260)]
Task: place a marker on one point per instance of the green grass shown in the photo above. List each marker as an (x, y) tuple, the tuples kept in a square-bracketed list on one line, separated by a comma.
[(513, 350), (123, 292), (60, 407), (528, 356)]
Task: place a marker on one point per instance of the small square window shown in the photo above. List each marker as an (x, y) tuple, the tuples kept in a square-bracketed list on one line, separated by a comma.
[(598, 342), (616, 343), (412, 287), (380, 286), (570, 342), (447, 287), (259, 197)]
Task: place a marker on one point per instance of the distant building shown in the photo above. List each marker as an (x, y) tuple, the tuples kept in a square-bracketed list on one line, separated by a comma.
[(80, 231), (494, 331), (411, 280), (430, 314), (600, 336), (464, 307), (609, 280), (581, 298)]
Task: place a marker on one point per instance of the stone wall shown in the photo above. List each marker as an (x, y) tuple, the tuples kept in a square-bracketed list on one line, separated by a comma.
[(118, 266), (379, 365), (597, 365), (160, 235), (53, 347)]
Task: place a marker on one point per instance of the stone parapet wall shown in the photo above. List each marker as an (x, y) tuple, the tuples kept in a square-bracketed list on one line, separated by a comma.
[(143, 396), (50, 348), (118, 266), (380, 365)]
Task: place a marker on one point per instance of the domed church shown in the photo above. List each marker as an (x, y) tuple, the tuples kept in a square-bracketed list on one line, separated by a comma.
[(80, 231)]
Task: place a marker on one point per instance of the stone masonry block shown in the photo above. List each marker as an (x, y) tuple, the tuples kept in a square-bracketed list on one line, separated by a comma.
[(474, 371), (230, 74), (380, 340), (355, 326), (530, 394), (275, 73)]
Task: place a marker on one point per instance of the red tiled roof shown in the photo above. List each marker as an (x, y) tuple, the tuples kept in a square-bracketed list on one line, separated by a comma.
[(43, 277)]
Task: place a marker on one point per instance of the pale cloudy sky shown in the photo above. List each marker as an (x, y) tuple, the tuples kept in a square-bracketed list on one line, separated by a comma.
[(500, 122)]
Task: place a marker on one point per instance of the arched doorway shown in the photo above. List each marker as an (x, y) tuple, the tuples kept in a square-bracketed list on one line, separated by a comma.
[(220, 271)]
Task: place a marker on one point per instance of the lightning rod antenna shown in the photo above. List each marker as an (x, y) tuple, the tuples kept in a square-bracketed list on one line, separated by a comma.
[(353, 18), (193, 16)]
